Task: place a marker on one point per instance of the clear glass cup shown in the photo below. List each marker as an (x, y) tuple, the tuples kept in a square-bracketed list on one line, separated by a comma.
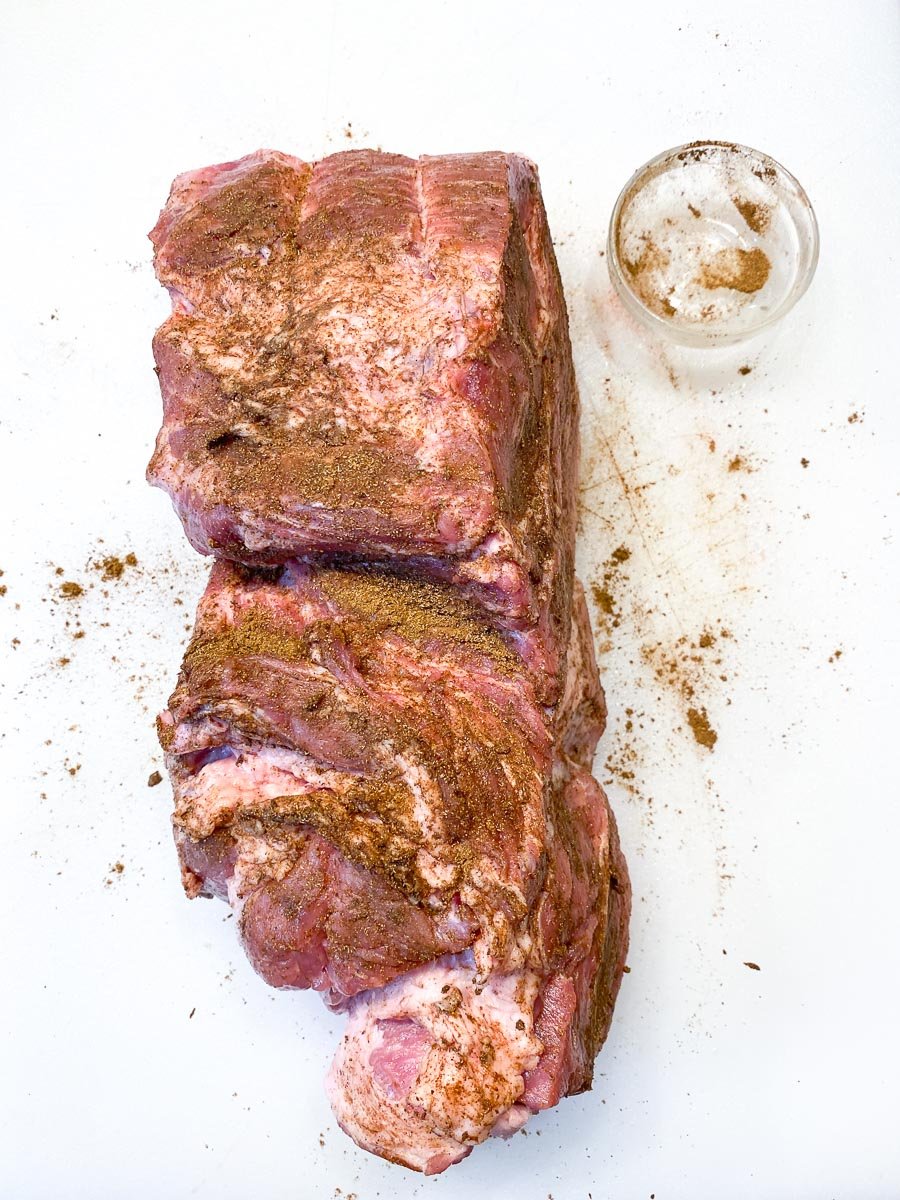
[(712, 242)]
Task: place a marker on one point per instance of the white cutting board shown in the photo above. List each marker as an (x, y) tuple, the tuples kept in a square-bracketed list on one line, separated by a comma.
[(778, 847)]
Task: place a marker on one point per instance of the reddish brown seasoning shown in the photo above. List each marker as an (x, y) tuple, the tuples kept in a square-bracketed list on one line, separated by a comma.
[(112, 567), (700, 727), (740, 270), (757, 216)]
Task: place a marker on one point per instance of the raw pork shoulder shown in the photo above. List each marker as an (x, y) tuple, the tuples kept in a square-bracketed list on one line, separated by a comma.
[(368, 358), (381, 737), (362, 767)]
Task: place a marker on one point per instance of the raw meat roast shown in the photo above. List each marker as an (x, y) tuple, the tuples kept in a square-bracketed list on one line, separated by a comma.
[(368, 358), (381, 737)]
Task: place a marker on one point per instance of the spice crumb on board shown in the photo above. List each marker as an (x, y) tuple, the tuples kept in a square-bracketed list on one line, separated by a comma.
[(744, 370), (741, 463), (701, 728), (602, 589), (116, 868), (835, 656), (70, 589), (753, 966), (154, 778), (804, 462), (112, 567)]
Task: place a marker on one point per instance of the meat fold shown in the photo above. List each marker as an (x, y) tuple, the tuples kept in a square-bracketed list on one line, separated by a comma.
[(368, 359), (363, 767)]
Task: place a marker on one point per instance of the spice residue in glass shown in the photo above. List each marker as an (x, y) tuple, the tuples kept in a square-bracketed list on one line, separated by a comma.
[(705, 239)]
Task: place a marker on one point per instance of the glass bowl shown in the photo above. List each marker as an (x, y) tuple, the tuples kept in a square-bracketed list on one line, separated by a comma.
[(711, 242)]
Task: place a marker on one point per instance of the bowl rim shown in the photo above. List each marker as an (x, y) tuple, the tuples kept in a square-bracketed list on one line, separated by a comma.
[(687, 334)]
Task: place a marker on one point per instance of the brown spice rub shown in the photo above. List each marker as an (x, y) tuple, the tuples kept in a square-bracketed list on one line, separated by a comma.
[(416, 611), (372, 825), (757, 216), (744, 271), (685, 670), (602, 590), (700, 727), (256, 635), (652, 259), (233, 218), (739, 463), (319, 469), (112, 567)]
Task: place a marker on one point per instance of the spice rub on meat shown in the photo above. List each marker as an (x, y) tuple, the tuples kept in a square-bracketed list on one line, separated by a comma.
[(381, 736), (364, 770), (368, 358)]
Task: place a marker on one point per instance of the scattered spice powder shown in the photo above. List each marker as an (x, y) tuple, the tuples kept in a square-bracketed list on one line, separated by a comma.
[(112, 567), (602, 590), (741, 463), (623, 758), (744, 271), (69, 589)]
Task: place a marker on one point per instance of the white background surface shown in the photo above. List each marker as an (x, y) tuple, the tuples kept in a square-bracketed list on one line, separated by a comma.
[(779, 847)]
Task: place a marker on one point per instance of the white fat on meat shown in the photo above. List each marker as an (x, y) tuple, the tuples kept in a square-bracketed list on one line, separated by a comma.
[(244, 779), (434, 1063)]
